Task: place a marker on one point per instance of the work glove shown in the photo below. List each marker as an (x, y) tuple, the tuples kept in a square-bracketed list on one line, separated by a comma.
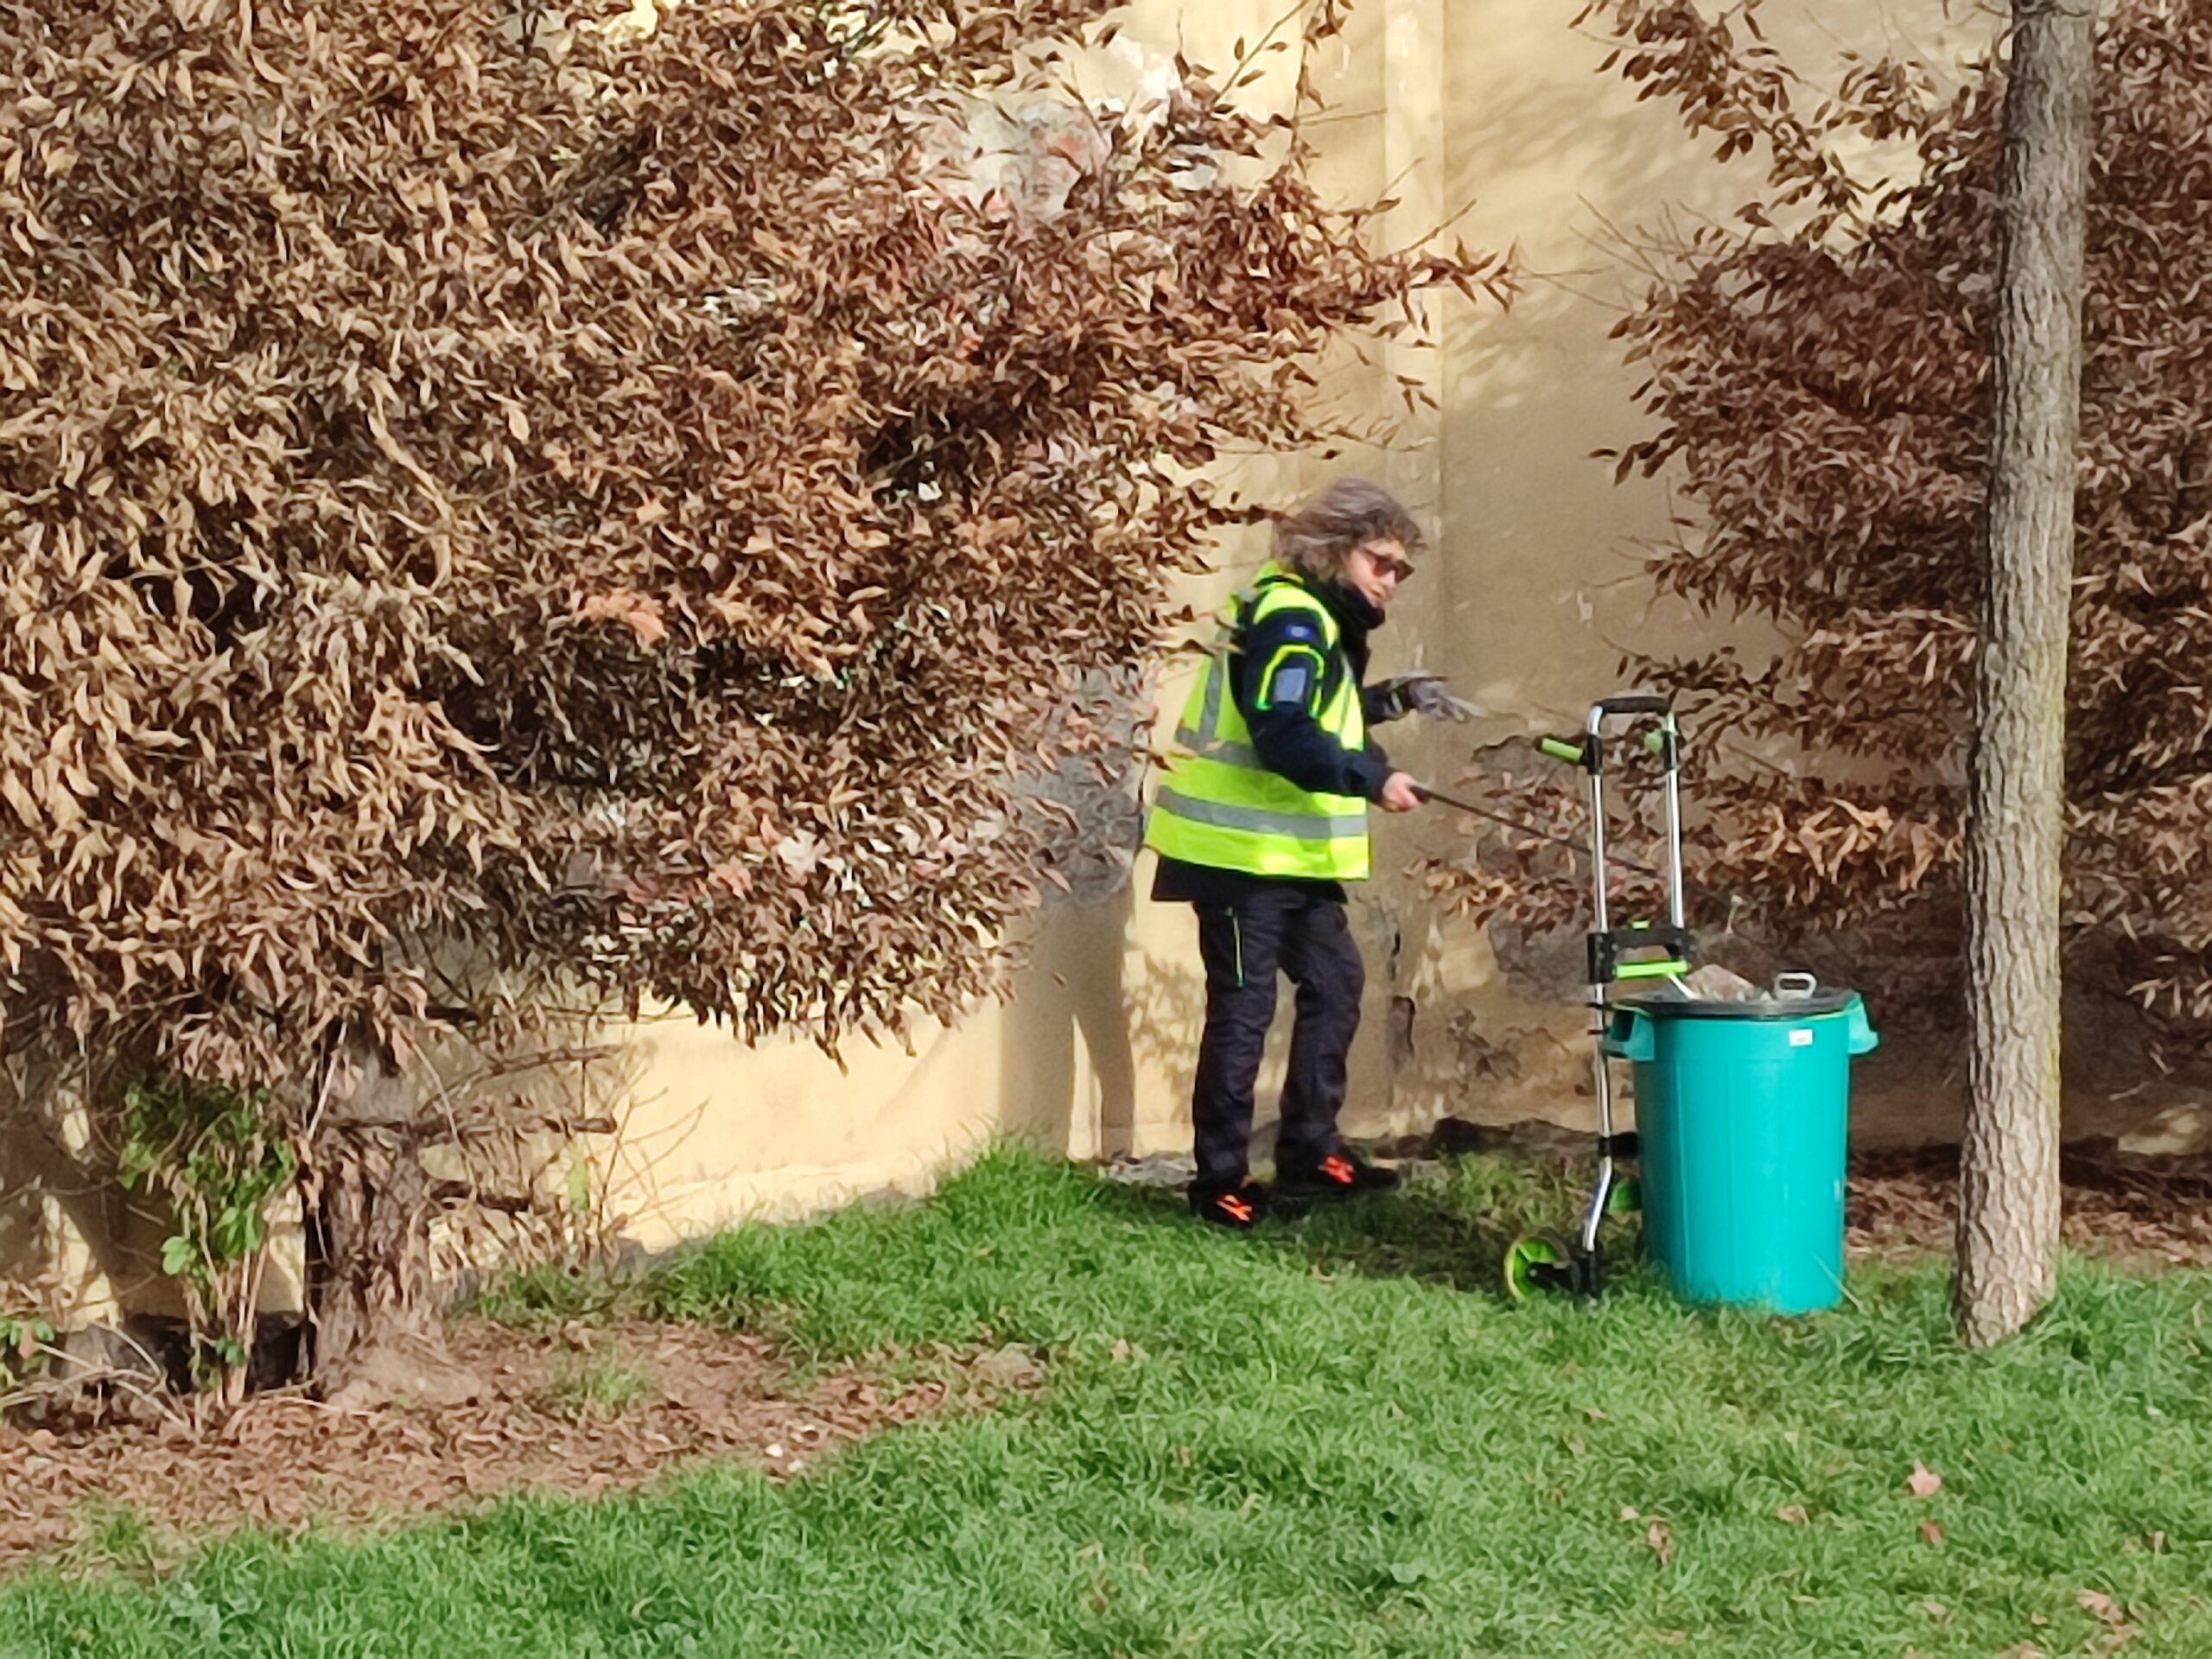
[(1423, 694)]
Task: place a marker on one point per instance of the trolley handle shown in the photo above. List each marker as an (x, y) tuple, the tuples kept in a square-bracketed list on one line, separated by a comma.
[(1577, 754)]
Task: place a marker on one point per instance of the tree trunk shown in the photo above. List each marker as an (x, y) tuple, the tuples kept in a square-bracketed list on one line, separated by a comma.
[(364, 1230), (2008, 1188), (372, 1333)]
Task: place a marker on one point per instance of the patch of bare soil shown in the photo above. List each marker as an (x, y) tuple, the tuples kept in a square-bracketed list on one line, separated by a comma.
[(2142, 1212), (587, 1409)]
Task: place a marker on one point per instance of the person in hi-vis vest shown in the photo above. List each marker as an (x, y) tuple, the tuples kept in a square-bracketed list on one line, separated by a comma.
[(1262, 816)]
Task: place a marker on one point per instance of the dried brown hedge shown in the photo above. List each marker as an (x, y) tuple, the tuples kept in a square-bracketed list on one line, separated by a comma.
[(478, 488), (1817, 386)]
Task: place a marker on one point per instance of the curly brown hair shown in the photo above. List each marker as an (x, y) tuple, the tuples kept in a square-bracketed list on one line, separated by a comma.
[(1317, 539)]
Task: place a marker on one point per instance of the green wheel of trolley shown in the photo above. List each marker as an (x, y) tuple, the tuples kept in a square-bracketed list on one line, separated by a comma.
[(1626, 1197), (1537, 1261)]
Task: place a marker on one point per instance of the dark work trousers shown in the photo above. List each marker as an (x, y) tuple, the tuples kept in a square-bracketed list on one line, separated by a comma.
[(1245, 945)]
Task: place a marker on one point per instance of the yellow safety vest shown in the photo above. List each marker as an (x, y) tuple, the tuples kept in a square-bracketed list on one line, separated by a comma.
[(1219, 806)]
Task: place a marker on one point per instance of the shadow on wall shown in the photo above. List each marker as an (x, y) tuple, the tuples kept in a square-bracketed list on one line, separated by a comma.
[(71, 1236), (518, 1199), (1068, 1073), (1068, 1069), (1167, 1014)]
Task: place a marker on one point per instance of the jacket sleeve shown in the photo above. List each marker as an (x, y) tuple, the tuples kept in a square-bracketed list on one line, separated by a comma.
[(1280, 678), (1380, 704)]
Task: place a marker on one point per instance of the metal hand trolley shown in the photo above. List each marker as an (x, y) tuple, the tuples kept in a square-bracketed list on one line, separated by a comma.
[(1635, 952)]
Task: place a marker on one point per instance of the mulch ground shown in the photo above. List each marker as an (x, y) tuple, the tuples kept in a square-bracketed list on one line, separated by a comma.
[(667, 1396), (2141, 1212)]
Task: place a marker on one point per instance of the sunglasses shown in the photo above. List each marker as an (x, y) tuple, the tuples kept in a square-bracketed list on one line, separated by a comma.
[(1388, 563)]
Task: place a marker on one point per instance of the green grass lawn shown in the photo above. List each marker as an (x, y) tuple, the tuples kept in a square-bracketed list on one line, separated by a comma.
[(1328, 1439)]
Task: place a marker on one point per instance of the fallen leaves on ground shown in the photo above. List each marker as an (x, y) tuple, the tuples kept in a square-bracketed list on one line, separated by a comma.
[(287, 1462), (1904, 1205), (2107, 1613)]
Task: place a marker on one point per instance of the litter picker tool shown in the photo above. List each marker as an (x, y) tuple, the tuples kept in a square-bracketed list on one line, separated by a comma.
[(1528, 829)]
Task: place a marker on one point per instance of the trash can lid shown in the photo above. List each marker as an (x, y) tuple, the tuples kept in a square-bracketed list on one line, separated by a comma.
[(1820, 1005)]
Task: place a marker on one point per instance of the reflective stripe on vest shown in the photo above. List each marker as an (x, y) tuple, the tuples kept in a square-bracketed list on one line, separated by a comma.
[(1252, 817), (1221, 807)]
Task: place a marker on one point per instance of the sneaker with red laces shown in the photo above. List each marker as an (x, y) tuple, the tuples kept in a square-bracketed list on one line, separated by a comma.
[(1238, 1208), (1339, 1175)]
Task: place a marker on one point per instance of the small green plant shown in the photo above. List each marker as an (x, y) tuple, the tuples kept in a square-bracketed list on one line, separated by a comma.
[(23, 1339), (603, 1387), (112, 1534), (27, 1316), (217, 1157), (26, 1345)]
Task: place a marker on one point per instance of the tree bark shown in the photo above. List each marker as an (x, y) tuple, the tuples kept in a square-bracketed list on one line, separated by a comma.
[(2008, 1188), (366, 1205)]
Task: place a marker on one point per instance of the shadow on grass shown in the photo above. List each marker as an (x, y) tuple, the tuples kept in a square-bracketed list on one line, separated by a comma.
[(865, 1267), (1451, 1225)]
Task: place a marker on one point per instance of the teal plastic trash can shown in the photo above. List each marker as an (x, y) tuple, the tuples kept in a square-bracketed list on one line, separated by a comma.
[(1741, 1114)]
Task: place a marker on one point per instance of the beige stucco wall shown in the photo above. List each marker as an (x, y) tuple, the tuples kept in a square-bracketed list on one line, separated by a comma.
[(1532, 592)]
